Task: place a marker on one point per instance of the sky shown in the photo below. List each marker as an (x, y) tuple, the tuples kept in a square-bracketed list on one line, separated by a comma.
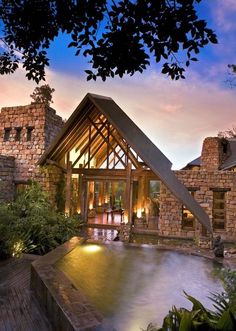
[(175, 115)]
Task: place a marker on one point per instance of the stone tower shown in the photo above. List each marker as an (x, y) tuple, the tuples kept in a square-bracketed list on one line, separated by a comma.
[(25, 133)]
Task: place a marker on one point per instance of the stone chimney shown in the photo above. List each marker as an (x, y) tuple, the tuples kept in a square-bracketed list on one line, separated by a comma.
[(215, 150)]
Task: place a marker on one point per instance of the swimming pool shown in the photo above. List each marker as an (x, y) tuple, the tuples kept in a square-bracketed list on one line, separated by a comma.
[(133, 286)]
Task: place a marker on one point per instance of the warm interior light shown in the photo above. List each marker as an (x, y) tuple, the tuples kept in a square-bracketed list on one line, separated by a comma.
[(90, 206), (92, 248), (139, 213), (126, 219), (78, 211)]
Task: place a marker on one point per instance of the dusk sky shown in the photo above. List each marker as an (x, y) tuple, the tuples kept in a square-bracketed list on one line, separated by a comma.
[(176, 116)]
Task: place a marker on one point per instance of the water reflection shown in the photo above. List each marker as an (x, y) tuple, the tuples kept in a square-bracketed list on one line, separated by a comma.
[(135, 286)]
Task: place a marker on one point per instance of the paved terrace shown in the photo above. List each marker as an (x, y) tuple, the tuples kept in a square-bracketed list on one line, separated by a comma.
[(18, 309)]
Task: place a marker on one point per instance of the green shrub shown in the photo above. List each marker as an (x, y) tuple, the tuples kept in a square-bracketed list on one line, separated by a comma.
[(229, 282), (31, 225), (201, 319), (7, 233)]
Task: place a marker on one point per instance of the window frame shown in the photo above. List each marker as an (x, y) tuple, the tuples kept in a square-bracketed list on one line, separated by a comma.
[(18, 133), (29, 133), (192, 191), (7, 134)]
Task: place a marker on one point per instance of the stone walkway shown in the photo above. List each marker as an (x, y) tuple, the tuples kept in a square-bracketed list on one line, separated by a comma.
[(18, 309)]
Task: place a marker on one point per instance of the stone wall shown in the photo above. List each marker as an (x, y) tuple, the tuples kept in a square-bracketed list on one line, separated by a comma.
[(203, 183), (7, 168), (53, 125), (38, 125), (53, 181), (214, 153)]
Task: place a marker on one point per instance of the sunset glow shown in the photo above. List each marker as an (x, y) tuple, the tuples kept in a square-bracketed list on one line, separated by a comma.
[(176, 116)]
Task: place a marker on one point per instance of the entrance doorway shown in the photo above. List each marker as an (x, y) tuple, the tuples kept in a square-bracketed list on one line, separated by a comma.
[(105, 202)]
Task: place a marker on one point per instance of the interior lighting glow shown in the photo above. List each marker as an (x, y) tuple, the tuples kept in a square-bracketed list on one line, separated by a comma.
[(139, 213), (92, 248), (126, 220)]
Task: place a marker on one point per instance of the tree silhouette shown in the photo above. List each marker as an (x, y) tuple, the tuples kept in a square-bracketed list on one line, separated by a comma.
[(117, 37), (43, 94)]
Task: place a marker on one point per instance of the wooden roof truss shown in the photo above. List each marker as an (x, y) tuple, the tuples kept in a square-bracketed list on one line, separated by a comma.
[(95, 143)]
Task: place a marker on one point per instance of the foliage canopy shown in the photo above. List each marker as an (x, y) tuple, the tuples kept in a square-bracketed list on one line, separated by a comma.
[(117, 37)]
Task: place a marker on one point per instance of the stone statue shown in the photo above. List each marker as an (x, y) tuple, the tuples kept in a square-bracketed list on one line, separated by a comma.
[(218, 247)]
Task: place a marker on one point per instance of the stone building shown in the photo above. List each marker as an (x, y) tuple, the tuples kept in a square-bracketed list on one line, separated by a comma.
[(25, 133), (105, 168), (211, 180), (113, 172)]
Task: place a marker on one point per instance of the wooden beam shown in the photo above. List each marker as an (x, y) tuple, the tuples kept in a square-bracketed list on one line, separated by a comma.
[(68, 188), (95, 152), (126, 150), (84, 210), (128, 192), (115, 172), (67, 142), (108, 143), (86, 146)]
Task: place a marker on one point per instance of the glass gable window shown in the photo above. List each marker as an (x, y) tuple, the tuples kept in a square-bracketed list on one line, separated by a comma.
[(218, 212)]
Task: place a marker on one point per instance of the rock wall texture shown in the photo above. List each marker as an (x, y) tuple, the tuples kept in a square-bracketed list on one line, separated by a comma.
[(7, 169), (25, 133), (203, 183), (214, 153)]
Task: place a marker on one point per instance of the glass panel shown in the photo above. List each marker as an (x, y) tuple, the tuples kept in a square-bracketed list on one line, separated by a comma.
[(154, 189), (218, 211), (187, 216), (153, 204)]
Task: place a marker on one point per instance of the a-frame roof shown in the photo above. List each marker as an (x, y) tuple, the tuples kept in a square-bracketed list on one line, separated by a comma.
[(138, 141)]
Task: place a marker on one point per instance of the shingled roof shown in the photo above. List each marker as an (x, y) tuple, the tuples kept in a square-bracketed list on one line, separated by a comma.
[(138, 141)]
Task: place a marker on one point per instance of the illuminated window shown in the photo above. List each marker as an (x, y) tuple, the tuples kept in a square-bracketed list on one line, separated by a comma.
[(187, 217), (218, 211), (29, 133), (154, 189), (7, 132), (18, 134), (154, 198)]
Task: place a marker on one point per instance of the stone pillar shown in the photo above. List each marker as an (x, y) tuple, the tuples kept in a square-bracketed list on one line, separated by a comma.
[(214, 151)]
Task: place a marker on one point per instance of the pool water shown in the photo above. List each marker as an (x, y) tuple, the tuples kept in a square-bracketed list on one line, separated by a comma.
[(133, 286)]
